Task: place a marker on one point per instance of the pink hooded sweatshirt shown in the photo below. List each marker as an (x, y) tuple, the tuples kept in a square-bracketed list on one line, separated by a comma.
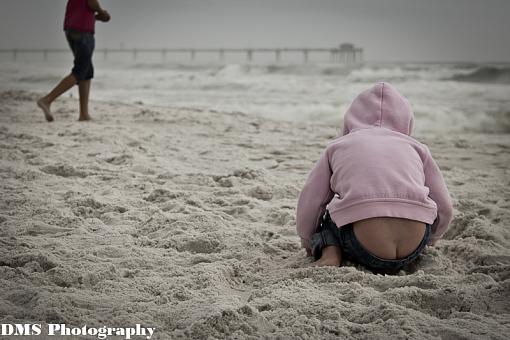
[(375, 169)]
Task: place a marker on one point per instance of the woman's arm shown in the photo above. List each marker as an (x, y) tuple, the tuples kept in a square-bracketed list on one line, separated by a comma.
[(101, 14)]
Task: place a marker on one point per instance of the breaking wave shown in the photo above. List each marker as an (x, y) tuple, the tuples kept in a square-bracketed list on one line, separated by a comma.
[(485, 74), (444, 96)]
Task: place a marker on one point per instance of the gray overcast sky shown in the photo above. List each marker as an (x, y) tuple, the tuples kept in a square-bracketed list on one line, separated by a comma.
[(389, 30)]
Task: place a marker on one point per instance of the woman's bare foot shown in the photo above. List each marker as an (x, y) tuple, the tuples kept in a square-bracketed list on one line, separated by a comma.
[(84, 118), (331, 256), (45, 107)]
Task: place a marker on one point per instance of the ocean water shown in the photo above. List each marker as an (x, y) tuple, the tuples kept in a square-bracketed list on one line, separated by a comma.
[(445, 97)]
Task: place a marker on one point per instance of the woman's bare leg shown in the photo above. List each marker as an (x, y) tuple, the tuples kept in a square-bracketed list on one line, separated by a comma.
[(84, 89), (45, 102)]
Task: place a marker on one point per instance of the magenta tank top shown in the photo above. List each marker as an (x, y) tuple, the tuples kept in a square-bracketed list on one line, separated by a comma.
[(79, 16)]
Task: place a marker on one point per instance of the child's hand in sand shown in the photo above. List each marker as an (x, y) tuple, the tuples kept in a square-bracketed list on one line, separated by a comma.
[(103, 16)]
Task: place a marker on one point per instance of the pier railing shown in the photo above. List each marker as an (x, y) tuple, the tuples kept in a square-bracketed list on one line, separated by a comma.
[(340, 55)]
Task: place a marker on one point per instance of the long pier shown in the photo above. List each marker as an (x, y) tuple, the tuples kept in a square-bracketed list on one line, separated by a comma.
[(345, 53)]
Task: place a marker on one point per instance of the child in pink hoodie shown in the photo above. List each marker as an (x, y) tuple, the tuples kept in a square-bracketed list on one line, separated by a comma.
[(376, 196)]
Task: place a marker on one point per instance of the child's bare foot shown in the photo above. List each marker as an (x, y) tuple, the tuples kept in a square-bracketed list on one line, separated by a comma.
[(84, 118), (331, 256), (45, 107)]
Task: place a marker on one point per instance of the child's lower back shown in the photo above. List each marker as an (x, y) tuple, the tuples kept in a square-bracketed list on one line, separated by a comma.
[(388, 237)]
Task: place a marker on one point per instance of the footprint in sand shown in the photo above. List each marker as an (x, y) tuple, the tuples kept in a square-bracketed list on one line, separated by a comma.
[(91, 208), (268, 235), (441, 304), (461, 222), (119, 159), (491, 260), (63, 170), (471, 206), (206, 244), (462, 144), (41, 228), (226, 182), (261, 193), (236, 211), (249, 173), (279, 217), (22, 260), (162, 195)]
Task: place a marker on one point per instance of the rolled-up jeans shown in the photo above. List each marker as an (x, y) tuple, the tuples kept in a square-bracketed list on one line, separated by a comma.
[(82, 45)]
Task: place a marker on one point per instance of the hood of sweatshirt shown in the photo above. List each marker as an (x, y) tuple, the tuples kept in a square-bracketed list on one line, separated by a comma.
[(380, 106)]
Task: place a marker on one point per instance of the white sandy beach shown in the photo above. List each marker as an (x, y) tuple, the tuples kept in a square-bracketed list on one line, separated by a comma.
[(183, 220)]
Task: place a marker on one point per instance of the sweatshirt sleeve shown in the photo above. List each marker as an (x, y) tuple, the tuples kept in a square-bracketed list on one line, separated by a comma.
[(440, 195), (314, 197)]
